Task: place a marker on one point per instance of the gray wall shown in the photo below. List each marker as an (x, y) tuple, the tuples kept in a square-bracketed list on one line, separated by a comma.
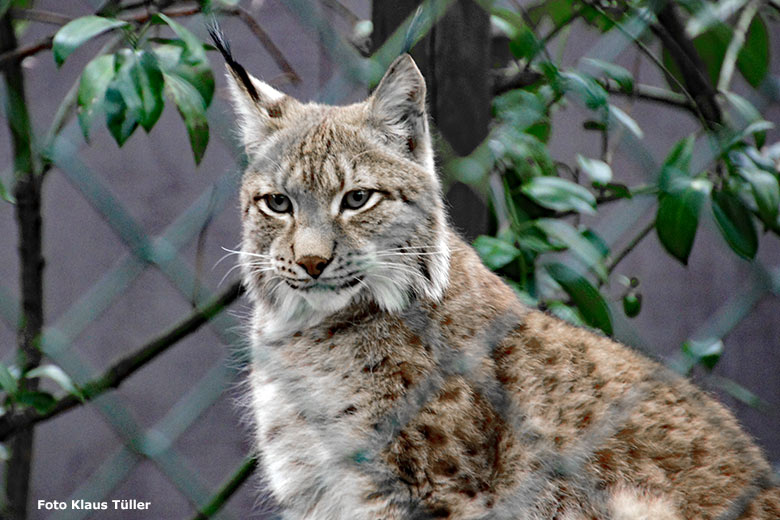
[(155, 178)]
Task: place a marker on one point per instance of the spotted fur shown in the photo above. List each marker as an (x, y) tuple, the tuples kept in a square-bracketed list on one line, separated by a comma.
[(407, 381)]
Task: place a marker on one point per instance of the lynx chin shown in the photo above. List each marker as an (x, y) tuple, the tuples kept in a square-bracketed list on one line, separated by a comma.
[(395, 377)]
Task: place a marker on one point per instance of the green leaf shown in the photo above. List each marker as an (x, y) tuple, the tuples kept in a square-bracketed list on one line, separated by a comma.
[(598, 171), (620, 191), (123, 104), (41, 401), (495, 253), (192, 109), (621, 75), (706, 353), (520, 109), (134, 95), (148, 80), (8, 381), (558, 11), (681, 153), (566, 313), (753, 58), (735, 223), (78, 31), (528, 154), (748, 113), (766, 192), (5, 194), (121, 122), (678, 215), (57, 375), (560, 195), (710, 14), (198, 74), (626, 121), (587, 298), (590, 254), (592, 94), (4, 5), (92, 89), (598, 242), (194, 51), (730, 138)]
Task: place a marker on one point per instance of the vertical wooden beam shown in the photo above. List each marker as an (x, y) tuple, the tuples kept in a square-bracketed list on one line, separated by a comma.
[(455, 59)]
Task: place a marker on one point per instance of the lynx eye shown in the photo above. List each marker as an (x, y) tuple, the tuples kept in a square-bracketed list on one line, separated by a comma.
[(356, 199), (278, 202)]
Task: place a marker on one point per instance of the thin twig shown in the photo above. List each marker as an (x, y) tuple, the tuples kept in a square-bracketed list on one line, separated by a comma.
[(125, 367), (145, 17), (45, 43), (228, 489), (39, 15), (521, 79), (651, 93), (630, 246), (20, 53), (342, 10), (265, 40), (730, 58)]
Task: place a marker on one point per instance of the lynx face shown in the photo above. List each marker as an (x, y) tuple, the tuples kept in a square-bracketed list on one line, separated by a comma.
[(340, 204)]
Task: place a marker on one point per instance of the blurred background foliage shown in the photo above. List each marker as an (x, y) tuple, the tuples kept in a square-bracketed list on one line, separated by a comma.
[(714, 61)]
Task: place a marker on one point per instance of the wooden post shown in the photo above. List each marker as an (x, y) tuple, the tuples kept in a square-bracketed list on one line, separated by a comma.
[(455, 59)]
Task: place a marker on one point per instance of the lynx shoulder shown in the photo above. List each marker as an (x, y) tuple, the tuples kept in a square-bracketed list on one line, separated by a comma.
[(395, 377)]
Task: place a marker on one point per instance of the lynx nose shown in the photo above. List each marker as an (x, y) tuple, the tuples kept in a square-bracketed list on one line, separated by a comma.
[(314, 265)]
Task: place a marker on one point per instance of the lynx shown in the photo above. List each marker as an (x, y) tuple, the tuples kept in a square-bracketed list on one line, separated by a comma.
[(395, 377)]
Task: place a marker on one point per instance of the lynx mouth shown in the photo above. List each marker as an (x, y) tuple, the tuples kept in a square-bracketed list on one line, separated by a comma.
[(336, 284)]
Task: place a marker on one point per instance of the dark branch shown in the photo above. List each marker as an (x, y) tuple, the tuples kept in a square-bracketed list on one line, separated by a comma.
[(265, 40), (19, 53), (671, 31), (39, 15), (506, 82), (125, 367), (27, 191)]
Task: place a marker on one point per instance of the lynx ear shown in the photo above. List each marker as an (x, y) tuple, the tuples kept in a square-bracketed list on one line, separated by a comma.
[(261, 109), (397, 107)]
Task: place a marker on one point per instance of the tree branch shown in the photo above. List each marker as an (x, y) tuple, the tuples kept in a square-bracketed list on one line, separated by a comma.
[(125, 367), (671, 31), (39, 15), (27, 191), (264, 39), (503, 82), (651, 93), (19, 53)]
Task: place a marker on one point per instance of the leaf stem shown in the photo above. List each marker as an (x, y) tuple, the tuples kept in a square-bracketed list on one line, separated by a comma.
[(613, 263)]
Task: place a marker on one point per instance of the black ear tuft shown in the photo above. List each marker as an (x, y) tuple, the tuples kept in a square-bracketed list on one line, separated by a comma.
[(223, 46)]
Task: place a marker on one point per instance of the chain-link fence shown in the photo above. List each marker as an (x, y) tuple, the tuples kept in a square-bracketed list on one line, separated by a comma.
[(169, 251)]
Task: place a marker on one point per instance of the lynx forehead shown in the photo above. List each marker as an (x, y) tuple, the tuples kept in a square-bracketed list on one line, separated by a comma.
[(395, 377)]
